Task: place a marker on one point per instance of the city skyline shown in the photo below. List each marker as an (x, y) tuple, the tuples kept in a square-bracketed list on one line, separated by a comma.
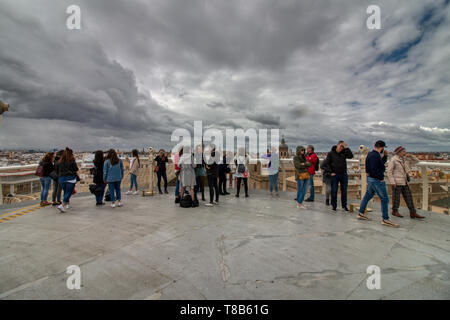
[(136, 71)]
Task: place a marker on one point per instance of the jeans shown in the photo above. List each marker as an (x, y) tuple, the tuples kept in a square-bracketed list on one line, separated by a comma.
[(56, 195), (67, 187), (45, 186), (162, 174), (378, 187), (199, 186), (133, 181), (341, 178), (114, 190), (302, 186), (99, 196), (327, 189), (311, 187), (273, 179), (213, 187), (177, 185)]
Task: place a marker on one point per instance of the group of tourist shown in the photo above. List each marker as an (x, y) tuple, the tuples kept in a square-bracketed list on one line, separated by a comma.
[(192, 170), (62, 169)]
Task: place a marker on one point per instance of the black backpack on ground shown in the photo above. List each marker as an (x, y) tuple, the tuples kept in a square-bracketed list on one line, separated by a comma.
[(186, 202)]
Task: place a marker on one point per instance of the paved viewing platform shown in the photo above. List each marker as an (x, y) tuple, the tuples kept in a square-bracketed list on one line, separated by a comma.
[(245, 248)]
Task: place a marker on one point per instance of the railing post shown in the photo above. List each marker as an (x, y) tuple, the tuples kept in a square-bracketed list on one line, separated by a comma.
[(284, 177), (1, 192), (424, 188)]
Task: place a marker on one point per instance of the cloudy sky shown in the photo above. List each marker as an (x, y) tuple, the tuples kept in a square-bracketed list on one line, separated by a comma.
[(138, 69)]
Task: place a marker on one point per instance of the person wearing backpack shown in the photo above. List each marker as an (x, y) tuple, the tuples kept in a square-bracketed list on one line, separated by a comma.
[(47, 168), (312, 158), (113, 175), (97, 172), (67, 169), (56, 194), (241, 162), (187, 175)]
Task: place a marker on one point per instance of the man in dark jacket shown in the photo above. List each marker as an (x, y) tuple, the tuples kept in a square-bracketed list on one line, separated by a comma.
[(223, 169), (336, 164), (375, 167)]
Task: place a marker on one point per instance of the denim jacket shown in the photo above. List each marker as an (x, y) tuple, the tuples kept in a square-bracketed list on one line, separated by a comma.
[(112, 173)]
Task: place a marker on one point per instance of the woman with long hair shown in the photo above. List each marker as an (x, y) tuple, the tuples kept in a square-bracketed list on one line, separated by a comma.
[(67, 169), (46, 180), (134, 171), (161, 160), (98, 177), (56, 194), (113, 175), (187, 173)]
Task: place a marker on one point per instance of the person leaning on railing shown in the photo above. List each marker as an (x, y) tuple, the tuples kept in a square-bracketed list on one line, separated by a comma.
[(398, 175)]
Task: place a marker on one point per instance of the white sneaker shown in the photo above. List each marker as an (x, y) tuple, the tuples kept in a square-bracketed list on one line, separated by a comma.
[(67, 207), (61, 208), (136, 192), (128, 192), (209, 204), (119, 204), (215, 202), (301, 206), (113, 205)]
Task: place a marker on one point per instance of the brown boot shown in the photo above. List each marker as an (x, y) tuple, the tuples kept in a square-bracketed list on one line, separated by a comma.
[(395, 213), (414, 215)]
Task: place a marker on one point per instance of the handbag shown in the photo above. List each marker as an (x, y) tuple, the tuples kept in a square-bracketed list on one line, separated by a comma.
[(40, 171), (303, 176), (156, 169)]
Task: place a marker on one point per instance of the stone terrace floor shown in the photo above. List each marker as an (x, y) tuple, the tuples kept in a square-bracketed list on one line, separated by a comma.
[(254, 248)]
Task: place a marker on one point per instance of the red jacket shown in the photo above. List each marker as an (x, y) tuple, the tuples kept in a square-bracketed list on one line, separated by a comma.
[(312, 158)]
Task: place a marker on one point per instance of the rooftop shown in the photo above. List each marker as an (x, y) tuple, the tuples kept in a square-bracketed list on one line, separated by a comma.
[(254, 248)]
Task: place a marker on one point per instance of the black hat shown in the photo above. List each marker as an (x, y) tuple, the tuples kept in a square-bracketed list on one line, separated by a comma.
[(380, 144)]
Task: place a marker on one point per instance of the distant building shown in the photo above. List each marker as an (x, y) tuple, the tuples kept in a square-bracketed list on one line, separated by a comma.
[(283, 149)]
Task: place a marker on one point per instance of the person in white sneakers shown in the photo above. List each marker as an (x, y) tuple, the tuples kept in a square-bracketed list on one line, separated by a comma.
[(134, 171), (66, 169), (113, 175)]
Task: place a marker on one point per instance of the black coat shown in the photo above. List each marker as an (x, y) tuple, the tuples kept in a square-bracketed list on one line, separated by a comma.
[(48, 167), (66, 169), (98, 173), (337, 162)]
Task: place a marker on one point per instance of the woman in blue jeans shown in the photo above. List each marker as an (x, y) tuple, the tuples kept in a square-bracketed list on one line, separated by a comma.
[(302, 176), (67, 169), (46, 180), (273, 168), (113, 175)]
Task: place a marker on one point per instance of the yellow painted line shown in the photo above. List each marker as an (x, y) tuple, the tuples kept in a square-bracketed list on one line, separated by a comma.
[(34, 206)]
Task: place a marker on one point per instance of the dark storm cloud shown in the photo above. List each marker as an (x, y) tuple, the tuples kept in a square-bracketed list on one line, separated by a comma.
[(139, 69)]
